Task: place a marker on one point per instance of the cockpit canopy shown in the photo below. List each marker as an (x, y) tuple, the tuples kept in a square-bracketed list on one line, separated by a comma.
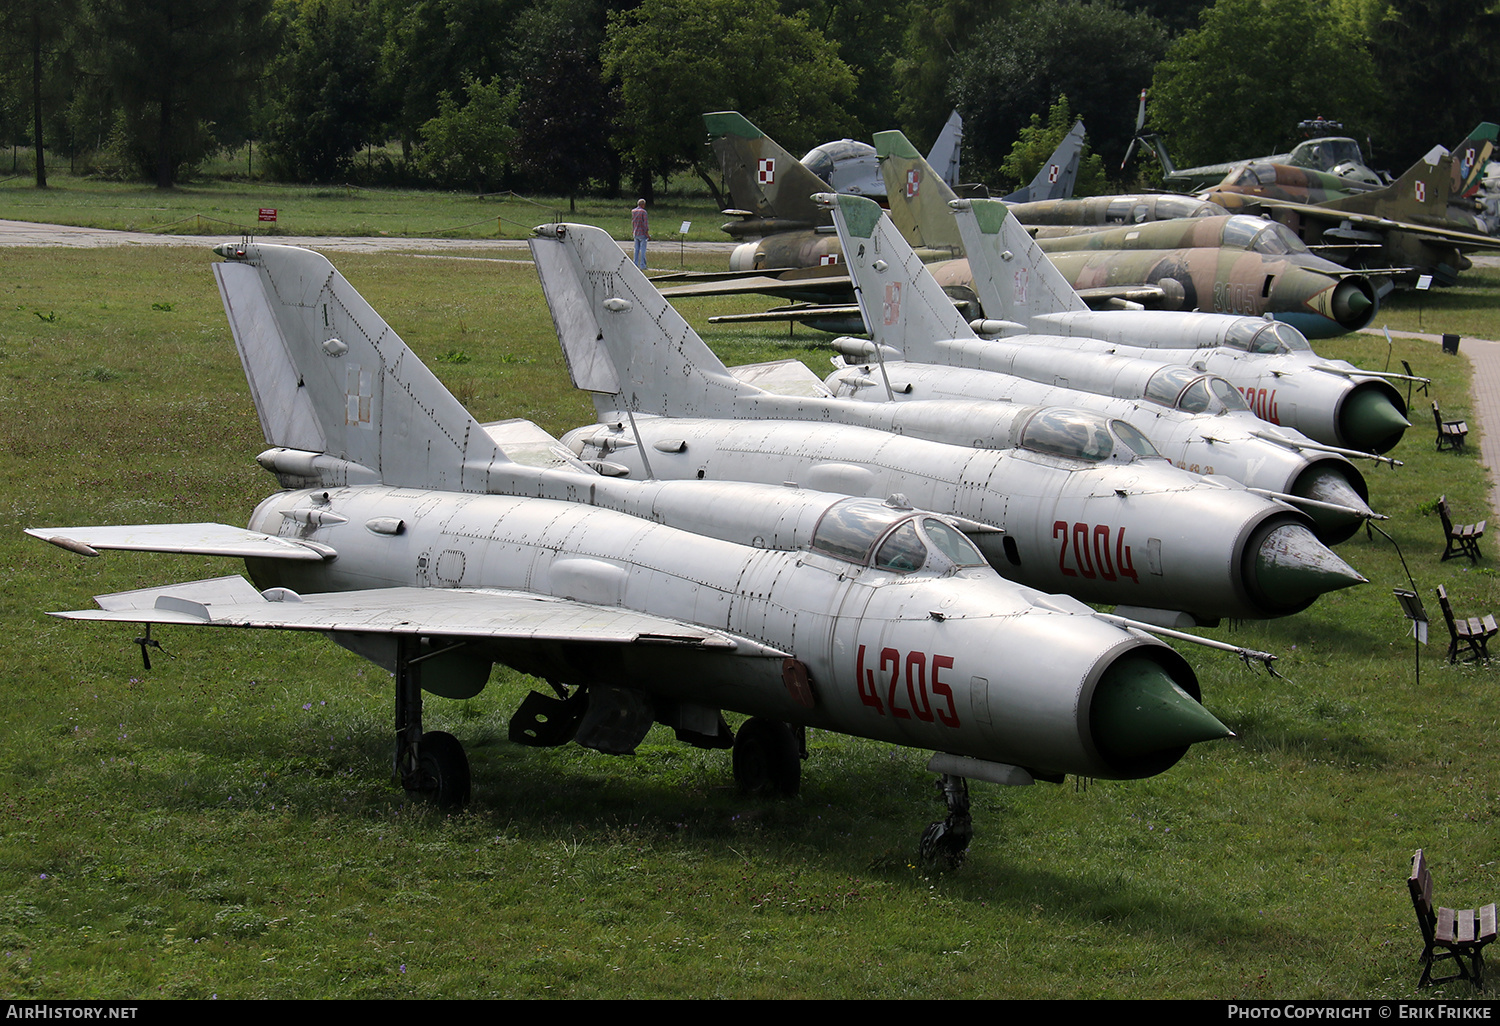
[(1192, 391), (1261, 236), (820, 160), (1326, 153), (892, 537), (1084, 435), (1266, 337)]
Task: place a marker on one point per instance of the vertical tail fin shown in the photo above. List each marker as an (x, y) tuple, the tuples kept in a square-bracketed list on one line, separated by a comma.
[(944, 155), (1059, 174), (1013, 277), (330, 377), (904, 306), (917, 194), (621, 339), (1421, 194), (1470, 158), (763, 179)]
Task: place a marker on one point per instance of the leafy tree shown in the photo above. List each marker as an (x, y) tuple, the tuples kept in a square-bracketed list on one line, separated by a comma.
[(327, 87), (1441, 72), (469, 144), (1037, 143), (1094, 52), (430, 46), (177, 65), (869, 34), (676, 59), (935, 35), (564, 115), (36, 34), (1237, 86)]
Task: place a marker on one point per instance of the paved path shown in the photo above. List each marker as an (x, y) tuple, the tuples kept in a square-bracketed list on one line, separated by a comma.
[(1484, 401), (26, 233), (1483, 355)]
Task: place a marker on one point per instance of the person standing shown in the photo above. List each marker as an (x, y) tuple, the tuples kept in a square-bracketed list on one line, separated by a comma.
[(640, 229)]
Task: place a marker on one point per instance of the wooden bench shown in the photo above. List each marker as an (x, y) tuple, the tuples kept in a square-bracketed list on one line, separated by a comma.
[(1473, 632), (1450, 433), (1463, 539), (1462, 934)]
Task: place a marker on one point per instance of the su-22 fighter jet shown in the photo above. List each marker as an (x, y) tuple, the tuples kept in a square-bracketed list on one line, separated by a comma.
[(436, 546), (1247, 267), (1066, 500)]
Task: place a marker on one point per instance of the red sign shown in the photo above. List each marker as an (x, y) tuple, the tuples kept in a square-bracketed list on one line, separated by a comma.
[(268, 213)]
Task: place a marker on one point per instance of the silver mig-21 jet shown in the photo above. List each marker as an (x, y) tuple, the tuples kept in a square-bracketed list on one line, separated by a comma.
[(1081, 502), (436, 546), (1282, 379), (924, 350)]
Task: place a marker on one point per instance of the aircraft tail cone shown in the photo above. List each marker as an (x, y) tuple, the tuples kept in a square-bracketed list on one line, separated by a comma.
[(1292, 568), (1332, 484), (1139, 710), (1370, 421)]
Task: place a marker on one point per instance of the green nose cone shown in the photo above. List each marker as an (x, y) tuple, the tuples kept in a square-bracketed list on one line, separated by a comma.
[(1292, 568), (1139, 710), (1350, 304), (1370, 421), (1328, 484)]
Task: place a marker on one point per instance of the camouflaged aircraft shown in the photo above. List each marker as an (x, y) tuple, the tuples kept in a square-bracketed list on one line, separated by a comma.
[(436, 546), (1035, 484), (1423, 223), (1279, 278), (1339, 156), (1282, 379), (922, 349)]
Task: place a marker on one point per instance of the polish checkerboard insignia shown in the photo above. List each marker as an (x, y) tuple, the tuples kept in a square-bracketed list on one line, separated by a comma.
[(765, 170)]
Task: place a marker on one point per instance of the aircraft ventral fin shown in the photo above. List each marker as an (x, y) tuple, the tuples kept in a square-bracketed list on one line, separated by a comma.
[(480, 614)]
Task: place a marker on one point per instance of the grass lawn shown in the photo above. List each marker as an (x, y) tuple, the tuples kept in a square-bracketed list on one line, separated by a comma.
[(225, 824)]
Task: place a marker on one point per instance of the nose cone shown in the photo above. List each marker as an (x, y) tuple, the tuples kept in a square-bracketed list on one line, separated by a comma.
[(1140, 714), (1321, 305), (1368, 420), (1332, 484), (1352, 306), (1291, 568)]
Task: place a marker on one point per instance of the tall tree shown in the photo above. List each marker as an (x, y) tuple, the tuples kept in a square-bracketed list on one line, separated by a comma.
[(177, 64), (326, 90), (1096, 53), (1237, 86), (676, 59), (36, 32), (1441, 72)]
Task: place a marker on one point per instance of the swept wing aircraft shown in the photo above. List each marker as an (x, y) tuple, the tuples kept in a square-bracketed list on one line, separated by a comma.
[(1422, 223), (1282, 379), (1153, 538), (1197, 420), (850, 166), (406, 532), (1320, 297)]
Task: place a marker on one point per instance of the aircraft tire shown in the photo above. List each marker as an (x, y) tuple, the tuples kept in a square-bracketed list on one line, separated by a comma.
[(442, 772), (766, 759)]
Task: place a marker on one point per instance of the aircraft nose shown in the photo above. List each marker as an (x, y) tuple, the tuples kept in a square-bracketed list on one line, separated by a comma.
[(1291, 568), (1353, 303), (1139, 711), (1326, 483), (1368, 420)]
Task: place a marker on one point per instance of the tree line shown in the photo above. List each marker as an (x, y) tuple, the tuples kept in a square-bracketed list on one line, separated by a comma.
[(572, 96)]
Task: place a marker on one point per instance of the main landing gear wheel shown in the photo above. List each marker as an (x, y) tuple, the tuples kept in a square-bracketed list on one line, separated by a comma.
[(948, 842), (767, 758), (441, 776)]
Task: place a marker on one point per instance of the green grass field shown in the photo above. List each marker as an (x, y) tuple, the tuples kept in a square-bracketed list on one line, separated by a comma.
[(225, 824)]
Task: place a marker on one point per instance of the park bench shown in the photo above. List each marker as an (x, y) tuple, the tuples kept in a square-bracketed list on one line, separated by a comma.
[(1461, 934), (1473, 632), (1463, 539), (1450, 433)]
